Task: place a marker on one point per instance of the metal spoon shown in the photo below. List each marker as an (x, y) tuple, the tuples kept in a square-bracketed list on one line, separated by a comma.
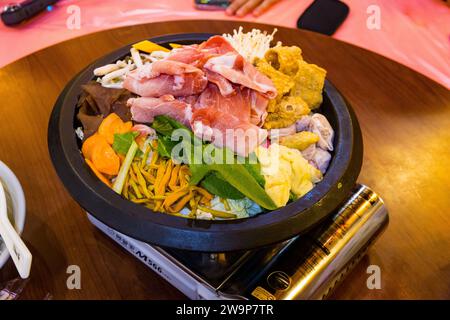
[(17, 249)]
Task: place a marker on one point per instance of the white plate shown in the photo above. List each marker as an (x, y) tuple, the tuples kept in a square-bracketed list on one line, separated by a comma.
[(14, 189)]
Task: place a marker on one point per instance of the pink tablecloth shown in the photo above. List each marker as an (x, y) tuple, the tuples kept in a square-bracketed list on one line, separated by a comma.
[(413, 32)]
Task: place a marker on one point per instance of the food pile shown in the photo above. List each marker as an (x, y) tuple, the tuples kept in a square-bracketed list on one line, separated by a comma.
[(223, 129)]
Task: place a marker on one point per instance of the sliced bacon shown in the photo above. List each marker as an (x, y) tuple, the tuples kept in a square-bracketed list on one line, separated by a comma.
[(144, 109)]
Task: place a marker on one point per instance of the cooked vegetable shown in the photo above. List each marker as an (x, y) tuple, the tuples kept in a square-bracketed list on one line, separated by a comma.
[(120, 180), (236, 174), (198, 180), (97, 173), (89, 145), (97, 102), (165, 146), (162, 185), (217, 213), (97, 150), (300, 140), (149, 47), (220, 187), (175, 45), (123, 141), (286, 172), (112, 125), (105, 159)]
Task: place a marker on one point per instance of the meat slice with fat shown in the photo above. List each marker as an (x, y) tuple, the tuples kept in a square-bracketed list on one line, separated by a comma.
[(145, 109), (225, 63), (165, 77), (234, 68), (226, 121)]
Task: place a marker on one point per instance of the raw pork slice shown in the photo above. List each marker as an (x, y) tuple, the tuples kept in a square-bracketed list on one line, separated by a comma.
[(146, 108), (258, 106), (226, 120), (166, 77), (233, 67), (225, 86), (225, 63)]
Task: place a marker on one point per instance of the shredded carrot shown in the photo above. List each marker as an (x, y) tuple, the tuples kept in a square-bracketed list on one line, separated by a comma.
[(159, 188), (163, 186), (172, 198), (148, 176), (135, 188), (174, 177), (159, 177), (180, 204), (204, 193), (141, 180), (154, 158)]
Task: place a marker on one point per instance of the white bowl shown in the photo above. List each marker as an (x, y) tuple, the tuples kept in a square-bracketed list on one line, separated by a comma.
[(14, 189)]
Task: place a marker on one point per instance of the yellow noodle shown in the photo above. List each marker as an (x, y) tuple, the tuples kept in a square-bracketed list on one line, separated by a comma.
[(135, 188), (140, 179)]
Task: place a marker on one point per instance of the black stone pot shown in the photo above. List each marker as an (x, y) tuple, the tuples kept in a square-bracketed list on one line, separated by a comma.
[(208, 236)]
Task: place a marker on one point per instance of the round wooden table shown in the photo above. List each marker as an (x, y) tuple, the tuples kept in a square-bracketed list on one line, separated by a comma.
[(405, 120)]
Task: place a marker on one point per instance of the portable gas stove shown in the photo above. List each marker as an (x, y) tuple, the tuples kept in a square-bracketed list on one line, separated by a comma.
[(305, 267)]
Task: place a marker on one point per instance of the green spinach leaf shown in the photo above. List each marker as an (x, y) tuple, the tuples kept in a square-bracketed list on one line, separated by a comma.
[(123, 141)]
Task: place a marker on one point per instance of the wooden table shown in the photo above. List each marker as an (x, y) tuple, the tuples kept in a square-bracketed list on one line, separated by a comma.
[(405, 120)]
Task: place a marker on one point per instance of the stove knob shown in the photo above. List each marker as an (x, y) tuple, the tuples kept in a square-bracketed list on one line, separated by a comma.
[(279, 280)]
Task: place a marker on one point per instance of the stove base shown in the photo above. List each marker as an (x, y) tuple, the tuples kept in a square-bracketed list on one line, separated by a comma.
[(305, 267)]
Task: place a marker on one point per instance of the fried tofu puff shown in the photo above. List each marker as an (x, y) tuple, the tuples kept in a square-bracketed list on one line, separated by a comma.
[(300, 140), (308, 78), (309, 81), (284, 59), (298, 83), (282, 82), (287, 111)]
